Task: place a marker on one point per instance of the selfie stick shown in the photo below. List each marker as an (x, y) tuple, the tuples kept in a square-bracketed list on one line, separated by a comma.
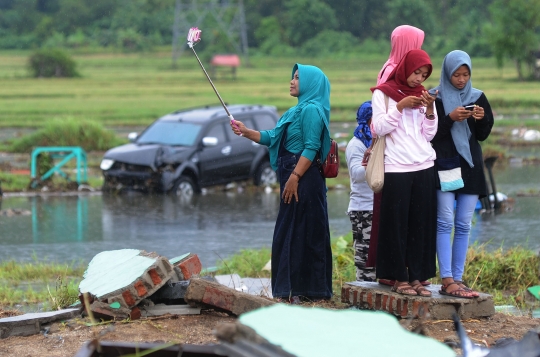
[(194, 37)]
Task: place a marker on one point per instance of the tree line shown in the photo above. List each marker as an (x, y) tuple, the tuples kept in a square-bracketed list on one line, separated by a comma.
[(505, 29)]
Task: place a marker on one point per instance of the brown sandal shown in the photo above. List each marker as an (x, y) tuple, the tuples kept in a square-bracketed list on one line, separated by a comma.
[(404, 288), (421, 290), (467, 289), (459, 293)]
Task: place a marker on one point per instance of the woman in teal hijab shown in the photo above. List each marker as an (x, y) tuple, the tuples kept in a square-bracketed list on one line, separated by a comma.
[(301, 253)]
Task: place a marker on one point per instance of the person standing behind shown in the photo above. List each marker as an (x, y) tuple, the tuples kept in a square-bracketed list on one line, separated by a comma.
[(403, 39), (360, 209), (460, 166), (301, 251), (406, 244)]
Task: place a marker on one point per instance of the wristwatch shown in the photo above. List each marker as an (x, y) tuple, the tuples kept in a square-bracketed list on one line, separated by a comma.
[(430, 116)]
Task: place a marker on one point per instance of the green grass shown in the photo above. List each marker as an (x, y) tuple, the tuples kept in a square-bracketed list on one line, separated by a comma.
[(39, 282), (13, 183), (89, 135), (134, 89), (505, 274)]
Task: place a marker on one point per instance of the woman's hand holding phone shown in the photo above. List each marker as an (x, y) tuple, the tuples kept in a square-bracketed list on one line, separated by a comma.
[(409, 102), (478, 113), (460, 114)]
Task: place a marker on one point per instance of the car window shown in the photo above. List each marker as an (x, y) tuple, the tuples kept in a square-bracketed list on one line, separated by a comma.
[(170, 133), (217, 131), (265, 121)]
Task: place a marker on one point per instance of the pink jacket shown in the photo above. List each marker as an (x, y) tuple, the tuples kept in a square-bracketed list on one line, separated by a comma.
[(408, 135)]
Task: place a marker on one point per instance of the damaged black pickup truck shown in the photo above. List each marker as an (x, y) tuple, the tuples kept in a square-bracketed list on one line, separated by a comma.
[(188, 150)]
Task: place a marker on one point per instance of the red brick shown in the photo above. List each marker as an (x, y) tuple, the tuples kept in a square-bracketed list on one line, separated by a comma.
[(156, 279), (135, 313), (385, 302), (141, 289), (345, 294), (370, 300), (128, 298), (398, 306), (377, 301), (190, 266), (361, 299), (218, 298), (355, 297), (391, 304), (405, 308), (415, 308)]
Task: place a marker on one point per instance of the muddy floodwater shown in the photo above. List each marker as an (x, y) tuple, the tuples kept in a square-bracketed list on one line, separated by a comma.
[(214, 225)]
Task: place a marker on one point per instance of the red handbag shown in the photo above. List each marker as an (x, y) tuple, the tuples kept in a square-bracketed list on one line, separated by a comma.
[(330, 167)]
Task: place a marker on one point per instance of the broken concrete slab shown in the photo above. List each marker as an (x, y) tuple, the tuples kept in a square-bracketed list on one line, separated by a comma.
[(374, 296), (203, 293), (162, 309), (125, 276), (315, 332), (30, 324), (103, 310), (186, 266)]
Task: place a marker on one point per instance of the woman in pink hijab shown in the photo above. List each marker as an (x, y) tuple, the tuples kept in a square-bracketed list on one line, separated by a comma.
[(403, 39)]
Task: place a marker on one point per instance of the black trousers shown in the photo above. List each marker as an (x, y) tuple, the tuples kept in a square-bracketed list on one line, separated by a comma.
[(406, 247)]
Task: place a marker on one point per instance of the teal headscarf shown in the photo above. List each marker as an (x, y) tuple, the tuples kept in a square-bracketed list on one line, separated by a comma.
[(453, 98), (315, 90)]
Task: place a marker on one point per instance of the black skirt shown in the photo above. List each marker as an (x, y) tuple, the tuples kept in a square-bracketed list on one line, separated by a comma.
[(301, 252)]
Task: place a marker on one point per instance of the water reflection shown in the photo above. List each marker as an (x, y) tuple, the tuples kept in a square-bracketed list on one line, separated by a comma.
[(216, 225)]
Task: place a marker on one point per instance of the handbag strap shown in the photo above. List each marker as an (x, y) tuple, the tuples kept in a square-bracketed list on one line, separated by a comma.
[(386, 111)]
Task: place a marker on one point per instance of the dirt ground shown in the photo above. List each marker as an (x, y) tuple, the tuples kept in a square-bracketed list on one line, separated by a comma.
[(65, 339)]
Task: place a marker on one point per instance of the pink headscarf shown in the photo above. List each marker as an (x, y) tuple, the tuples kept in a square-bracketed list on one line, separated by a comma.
[(404, 38)]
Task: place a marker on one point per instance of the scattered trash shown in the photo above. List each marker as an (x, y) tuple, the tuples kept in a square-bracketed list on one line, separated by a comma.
[(31, 324), (527, 347), (535, 291), (304, 331)]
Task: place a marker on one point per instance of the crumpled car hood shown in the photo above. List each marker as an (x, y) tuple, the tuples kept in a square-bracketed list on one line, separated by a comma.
[(134, 154), (152, 155)]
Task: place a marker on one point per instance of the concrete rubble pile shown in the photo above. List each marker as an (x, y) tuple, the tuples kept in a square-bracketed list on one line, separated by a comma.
[(133, 284)]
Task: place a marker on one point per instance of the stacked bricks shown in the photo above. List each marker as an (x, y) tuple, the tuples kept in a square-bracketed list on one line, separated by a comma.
[(373, 296), (124, 277), (204, 293)]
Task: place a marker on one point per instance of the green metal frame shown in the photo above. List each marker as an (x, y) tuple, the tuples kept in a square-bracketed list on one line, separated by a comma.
[(65, 153)]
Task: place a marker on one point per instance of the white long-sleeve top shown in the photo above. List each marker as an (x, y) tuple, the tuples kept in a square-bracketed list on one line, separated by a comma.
[(361, 195), (408, 135)]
